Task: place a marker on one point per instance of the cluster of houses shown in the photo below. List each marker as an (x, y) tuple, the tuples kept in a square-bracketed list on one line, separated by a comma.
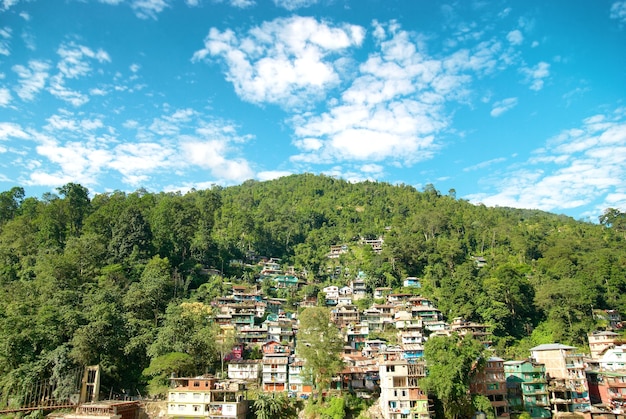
[(555, 379)]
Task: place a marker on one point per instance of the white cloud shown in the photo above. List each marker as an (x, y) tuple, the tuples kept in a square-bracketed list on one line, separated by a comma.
[(515, 37), (484, 164), (58, 89), (5, 97), (575, 168), (294, 4), (272, 174), (7, 4), (31, 79), (11, 130), (535, 75), (145, 9), (396, 107), (74, 60), (503, 106), (135, 68), (5, 36), (286, 61), (618, 11), (242, 4), (79, 148)]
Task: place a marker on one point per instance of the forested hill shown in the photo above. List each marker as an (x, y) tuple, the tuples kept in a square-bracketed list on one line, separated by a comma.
[(88, 280)]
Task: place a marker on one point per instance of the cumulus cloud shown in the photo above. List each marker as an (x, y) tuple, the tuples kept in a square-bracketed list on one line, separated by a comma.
[(396, 106), (285, 61), (75, 59), (242, 4), (503, 106), (618, 11), (294, 4), (272, 174), (515, 37), (577, 167), (5, 97), (5, 36), (87, 150), (146, 9), (534, 76), (31, 79)]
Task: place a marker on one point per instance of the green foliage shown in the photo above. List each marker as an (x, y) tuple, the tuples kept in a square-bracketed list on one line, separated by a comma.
[(162, 367), (319, 344), (451, 362), (95, 276), (273, 405)]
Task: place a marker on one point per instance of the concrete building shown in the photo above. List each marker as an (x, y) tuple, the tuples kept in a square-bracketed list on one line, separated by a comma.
[(400, 394), (569, 391), (206, 397), (527, 388), (491, 383)]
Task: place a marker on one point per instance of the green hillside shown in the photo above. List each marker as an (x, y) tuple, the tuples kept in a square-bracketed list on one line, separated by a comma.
[(89, 280)]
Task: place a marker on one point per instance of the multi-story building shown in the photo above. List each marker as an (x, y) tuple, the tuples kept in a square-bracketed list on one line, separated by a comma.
[(275, 366), (298, 382), (601, 341), (613, 359), (609, 389), (527, 388), (356, 334), (400, 394), (359, 288), (491, 383), (345, 315), (569, 391), (244, 369), (206, 397)]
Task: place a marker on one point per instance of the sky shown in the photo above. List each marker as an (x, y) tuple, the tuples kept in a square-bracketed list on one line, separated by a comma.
[(508, 103)]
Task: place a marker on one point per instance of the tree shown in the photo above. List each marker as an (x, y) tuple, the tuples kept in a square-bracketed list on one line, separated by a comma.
[(452, 361), (270, 406), (319, 344)]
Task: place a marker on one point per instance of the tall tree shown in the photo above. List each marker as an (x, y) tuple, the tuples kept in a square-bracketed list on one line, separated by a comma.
[(452, 361), (319, 344)]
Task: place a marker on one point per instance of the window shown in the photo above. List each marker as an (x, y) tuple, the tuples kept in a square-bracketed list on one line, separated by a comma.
[(196, 407), (391, 368), (196, 383)]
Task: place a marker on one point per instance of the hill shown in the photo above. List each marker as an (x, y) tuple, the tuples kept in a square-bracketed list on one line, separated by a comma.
[(90, 280)]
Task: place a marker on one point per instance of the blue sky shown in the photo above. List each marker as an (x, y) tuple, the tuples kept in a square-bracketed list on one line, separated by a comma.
[(509, 103)]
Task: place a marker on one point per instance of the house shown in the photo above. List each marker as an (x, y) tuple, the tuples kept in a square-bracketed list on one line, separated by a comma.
[(381, 292), (527, 388), (412, 281), (375, 244), (298, 382), (609, 389), (345, 315), (337, 250), (491, 383), (613, 359), (206, 397), (359, 289), (332, 294), (356, 334), (400, 394), (601, 341), (275, 366), (286, 281), (569, 390), (244, 369)]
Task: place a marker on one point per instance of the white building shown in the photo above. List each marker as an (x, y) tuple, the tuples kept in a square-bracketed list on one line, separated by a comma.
[(244, 369), (207, 398)]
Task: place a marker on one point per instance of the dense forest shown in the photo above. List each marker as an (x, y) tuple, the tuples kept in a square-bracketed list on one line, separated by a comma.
[(108, 279)]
